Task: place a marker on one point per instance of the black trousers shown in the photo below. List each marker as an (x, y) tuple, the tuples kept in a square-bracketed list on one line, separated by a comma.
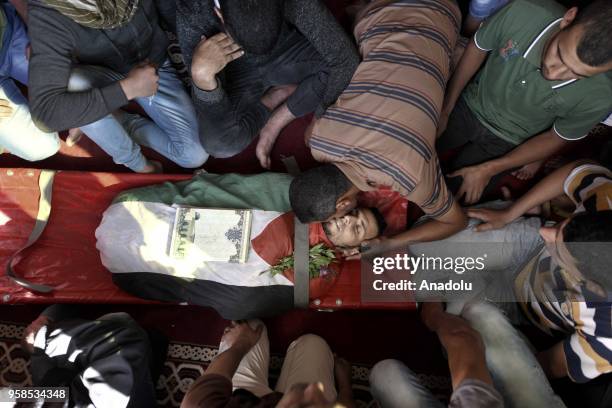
[(104, 361), (478, 144), (231, 125)]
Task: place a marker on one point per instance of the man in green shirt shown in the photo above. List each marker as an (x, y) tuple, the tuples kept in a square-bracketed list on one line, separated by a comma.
[(546, 81)]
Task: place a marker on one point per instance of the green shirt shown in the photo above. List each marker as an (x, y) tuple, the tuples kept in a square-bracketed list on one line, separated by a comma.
[(510, 96)]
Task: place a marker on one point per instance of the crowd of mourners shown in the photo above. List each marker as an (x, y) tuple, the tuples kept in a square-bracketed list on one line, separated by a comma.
[(438, 108)]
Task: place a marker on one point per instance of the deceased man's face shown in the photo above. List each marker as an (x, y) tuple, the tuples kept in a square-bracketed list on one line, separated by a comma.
[(353, 228)]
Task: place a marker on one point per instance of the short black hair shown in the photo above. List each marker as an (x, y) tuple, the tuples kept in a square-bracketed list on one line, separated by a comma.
[(595, 48), (313, 194), (588, 238), (255, 25), (380, 220)]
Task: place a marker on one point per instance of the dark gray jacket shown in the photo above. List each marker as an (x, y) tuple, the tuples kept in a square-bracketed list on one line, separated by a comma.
[(58, 43), (311, 18)]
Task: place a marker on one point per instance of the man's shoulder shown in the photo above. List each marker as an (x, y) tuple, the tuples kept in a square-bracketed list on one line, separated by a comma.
[(529, 13), (44, 21), (538, 8), (595, 90)]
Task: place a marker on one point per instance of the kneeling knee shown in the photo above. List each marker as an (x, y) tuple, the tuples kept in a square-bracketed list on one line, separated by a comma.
[(192, 157), (43, 149)]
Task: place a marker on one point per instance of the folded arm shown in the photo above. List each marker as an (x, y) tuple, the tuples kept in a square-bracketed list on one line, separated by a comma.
[(53, 106)]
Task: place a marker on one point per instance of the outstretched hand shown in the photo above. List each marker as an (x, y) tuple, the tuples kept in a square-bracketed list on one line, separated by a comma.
[(475, 180), (491, 219)]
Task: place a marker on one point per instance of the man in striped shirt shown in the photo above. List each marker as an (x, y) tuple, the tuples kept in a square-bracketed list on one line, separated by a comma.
[(381, 131), (565, 286)]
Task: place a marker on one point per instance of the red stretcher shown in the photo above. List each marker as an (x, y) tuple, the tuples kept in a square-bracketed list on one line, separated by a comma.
[(65, 256)]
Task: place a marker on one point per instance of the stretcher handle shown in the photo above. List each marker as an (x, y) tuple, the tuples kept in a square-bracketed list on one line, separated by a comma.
[(301, 250), (45, 184)]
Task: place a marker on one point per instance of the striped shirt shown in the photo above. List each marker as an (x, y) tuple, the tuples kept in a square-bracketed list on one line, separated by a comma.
[(556, 302), (382, 129)]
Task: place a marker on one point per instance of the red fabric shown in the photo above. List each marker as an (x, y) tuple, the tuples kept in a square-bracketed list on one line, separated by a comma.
[(66, 257), (276, 242)]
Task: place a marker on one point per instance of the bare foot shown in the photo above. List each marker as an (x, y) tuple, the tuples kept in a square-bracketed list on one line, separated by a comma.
[(153, 167), (268, 135), (277, 95), (74, 135), (528, 171)]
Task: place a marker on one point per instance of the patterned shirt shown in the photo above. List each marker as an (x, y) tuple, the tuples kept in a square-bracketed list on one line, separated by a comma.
[(382, 129), (556, 301)]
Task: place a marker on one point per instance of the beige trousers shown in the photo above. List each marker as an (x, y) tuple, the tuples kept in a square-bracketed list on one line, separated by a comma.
[(308, 360)]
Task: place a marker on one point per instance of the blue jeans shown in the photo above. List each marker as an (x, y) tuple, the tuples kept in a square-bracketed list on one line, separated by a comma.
[(172, 130), (516, 374), (18, 134)]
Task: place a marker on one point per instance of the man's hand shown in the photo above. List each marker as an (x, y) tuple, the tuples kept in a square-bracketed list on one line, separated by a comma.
[(6, 110), (141, 81), (491, 219), (210, 57), (475, 180), (240, 336)]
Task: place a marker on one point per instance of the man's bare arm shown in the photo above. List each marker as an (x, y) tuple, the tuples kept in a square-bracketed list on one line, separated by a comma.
[(463, 344), (548, 188), (470, 63), (477, 177), (434, 229), (537, 148)]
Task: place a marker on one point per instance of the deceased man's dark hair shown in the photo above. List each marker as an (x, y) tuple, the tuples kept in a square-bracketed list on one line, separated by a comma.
[(588, 238), (380, 220), (255, 25), (595, 47), (313, 194)]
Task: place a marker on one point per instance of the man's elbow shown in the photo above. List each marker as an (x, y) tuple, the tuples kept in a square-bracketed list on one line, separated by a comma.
[(44, 116)]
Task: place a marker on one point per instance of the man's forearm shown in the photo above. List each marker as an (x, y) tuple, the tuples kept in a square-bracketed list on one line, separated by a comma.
[(226, 363), (470, 63), (463, 345), (547, 189), (537, 148), (434, 229)]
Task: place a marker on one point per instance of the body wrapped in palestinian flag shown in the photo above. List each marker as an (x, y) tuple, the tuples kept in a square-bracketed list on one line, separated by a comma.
[(134, 235)]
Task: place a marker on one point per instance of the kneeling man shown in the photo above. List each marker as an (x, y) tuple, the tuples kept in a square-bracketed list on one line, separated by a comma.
[(382, 129)]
